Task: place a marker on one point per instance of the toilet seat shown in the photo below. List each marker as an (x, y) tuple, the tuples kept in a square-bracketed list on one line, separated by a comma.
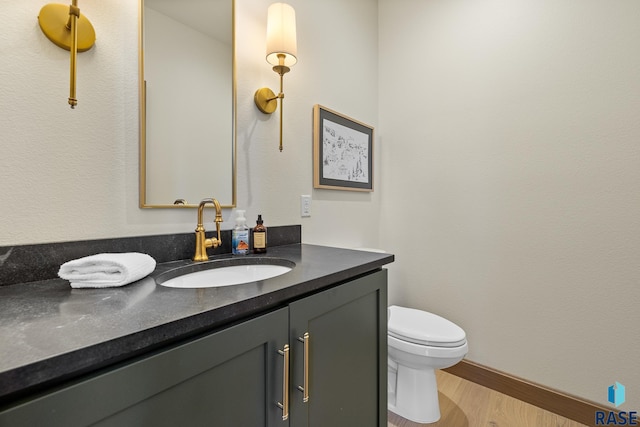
[(423, 328), (422, 350)]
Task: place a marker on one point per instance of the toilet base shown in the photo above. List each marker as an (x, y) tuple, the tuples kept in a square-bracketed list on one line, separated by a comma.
[(414, 395)]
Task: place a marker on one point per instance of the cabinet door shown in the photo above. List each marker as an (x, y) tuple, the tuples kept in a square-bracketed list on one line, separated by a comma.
[(229, 378), (347, 357)]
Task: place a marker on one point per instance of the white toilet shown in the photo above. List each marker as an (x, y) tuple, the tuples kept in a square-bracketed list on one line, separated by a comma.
[(419, 343)]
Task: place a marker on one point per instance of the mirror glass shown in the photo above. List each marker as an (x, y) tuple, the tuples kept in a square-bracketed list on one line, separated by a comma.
[(187, 102)]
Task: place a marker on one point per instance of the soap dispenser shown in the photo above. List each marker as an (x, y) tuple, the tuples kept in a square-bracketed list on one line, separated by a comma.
[(240, 235)]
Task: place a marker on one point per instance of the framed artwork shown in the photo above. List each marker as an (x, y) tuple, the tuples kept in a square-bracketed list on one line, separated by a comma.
[(342, 152)]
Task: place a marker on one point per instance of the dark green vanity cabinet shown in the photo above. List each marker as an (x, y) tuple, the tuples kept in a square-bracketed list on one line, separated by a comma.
[(235, 377), (347, 366), (211, 381)]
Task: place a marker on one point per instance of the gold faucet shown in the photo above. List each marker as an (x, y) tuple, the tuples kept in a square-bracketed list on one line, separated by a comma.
[(202, 243)]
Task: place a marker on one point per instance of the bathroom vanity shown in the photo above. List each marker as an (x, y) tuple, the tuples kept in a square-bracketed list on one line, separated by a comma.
[(305, 348)]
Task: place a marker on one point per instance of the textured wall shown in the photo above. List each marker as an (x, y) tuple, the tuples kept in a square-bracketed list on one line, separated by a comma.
[(69, 174), (510, 135), (73, 174), (332, 58)]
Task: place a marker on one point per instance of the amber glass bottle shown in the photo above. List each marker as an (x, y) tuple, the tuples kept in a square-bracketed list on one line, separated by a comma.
[(259, 237)]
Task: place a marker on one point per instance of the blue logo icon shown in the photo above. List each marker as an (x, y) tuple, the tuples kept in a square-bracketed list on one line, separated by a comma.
[(616, 394)]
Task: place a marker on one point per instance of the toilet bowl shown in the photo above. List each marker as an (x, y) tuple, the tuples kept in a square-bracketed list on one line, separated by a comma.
[(419, 343)]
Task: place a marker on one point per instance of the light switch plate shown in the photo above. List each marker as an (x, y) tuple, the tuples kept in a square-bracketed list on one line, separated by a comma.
[(305, 206)]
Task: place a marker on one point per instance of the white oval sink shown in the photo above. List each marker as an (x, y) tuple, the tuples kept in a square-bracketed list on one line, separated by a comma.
[(216, 274)]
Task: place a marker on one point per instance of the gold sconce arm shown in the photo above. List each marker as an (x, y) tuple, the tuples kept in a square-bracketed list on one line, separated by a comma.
[(74, 14), (267, 101), (67, 28)]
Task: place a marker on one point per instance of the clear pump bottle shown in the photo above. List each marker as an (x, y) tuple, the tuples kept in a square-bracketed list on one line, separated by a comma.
[(240, 235)]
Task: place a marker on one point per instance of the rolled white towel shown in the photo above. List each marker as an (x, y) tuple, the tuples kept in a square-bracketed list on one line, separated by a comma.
[(107, 269)]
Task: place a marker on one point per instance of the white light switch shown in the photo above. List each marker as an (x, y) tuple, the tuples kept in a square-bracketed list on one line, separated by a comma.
[(305, 205)]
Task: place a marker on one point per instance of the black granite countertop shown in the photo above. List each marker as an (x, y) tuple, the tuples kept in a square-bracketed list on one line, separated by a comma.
[(51, 333)]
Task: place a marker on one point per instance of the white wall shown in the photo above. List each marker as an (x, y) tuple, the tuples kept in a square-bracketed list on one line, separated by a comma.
[(73, 174), (509, 133), (337, 68)]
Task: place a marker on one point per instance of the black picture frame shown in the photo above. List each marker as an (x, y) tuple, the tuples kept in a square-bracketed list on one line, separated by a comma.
[(342, 152)]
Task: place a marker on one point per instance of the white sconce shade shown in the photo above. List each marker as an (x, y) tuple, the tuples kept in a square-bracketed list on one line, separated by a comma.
[(281, 34)]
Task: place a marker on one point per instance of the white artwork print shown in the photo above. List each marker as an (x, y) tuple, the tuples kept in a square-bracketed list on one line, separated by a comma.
[(345, 153)]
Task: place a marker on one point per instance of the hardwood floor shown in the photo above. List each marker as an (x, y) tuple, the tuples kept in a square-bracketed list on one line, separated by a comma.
[(466, 404)]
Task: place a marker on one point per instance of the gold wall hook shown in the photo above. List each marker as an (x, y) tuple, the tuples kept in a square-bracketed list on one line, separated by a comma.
[(67, 28)]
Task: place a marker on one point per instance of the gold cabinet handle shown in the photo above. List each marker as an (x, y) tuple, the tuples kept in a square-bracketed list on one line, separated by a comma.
[(285, 383), (305, 387)]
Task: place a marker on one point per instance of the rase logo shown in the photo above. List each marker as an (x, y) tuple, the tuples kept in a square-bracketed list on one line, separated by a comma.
[(616, 396)]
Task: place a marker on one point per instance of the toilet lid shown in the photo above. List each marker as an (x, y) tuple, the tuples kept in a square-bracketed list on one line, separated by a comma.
[(421, 327)]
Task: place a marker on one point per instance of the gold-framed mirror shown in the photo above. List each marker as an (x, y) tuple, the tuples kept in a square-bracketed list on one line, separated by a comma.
[(187, 102)]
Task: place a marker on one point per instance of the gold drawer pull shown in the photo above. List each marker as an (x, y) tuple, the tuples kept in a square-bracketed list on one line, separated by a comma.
[(305, 387), (285, 383)]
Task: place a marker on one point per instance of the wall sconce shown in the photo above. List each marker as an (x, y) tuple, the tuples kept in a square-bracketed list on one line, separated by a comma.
[(70, 30), (281, 53)]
